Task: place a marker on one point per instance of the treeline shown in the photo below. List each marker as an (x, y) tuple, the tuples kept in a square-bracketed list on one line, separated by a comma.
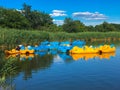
[(28, 19), (24, 18)]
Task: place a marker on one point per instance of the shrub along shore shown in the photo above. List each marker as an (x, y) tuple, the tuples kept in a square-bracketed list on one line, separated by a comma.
[(14, 36)]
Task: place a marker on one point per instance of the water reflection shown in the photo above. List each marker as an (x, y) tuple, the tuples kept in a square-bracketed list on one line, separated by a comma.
[(7, 84), (35, 64), (8, 70), (63, 56), (32, 63), (90, 56), (41, 60), (21, 57), (27, 64)]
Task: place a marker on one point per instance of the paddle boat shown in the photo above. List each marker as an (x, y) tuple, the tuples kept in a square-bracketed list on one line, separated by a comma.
[(90, 49), (13, 51), (82, 50), (41, 48), (78, 43), (53, 45), (64, 46), (67, 45), (45, 42), (106, 48)]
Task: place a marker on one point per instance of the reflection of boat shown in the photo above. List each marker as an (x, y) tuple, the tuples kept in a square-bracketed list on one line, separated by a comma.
[(11, 55), (53, 52), (29, 57), (42, 53), (83, 56), (106, 55), (21, 56), (90, 56), (64, 56)]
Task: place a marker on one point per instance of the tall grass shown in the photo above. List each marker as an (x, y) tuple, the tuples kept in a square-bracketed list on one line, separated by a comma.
[(8, 69), (12, 36)]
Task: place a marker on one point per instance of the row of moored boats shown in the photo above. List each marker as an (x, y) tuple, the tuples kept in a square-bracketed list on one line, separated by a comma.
[(77, 46)]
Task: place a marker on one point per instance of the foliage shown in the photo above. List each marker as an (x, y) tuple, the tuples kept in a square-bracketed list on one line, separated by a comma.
[(35, 37), (73, 25), (29, 19), (8, 67), (36, 19), (24, 19), (105, 27), (12, 19)]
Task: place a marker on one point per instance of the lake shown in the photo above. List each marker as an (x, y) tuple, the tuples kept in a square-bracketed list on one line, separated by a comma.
[(59, 71)]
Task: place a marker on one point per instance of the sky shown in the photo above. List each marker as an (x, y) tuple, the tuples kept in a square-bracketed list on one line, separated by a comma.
[(89, 12)]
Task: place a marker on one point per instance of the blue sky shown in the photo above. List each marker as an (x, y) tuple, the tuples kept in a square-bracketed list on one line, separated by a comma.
[(90, 12)]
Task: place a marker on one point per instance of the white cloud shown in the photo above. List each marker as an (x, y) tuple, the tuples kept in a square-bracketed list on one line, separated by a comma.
[(56, 13), (90, 16), (58, 22)]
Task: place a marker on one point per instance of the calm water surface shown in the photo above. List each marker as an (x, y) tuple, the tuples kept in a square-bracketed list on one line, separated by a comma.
[(63, 72)]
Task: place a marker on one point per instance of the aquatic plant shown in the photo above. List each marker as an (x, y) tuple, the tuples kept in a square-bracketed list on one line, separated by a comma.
[(15, 36)]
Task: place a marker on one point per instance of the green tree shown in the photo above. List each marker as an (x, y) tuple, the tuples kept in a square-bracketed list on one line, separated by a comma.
[(117, 26), (26, 10), (80, 26), (73, 25), (36, 18), (105, 27), (39, 19), (91, 28), (13, 19)]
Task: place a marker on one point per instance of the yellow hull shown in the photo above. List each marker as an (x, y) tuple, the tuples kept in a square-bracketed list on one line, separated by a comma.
[(89, 50), (84, 50), (27, 51), (106, 49), (13, 51)]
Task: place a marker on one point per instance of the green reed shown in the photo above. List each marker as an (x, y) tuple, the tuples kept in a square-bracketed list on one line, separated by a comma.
[(13, 36)]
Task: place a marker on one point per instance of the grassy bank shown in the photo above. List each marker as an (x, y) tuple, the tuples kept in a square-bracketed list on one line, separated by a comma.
[(11, 36)]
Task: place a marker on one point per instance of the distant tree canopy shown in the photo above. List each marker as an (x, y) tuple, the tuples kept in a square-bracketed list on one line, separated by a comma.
[(26, 18), (36, 19), (105, 27), (12, 19), (73, 25)]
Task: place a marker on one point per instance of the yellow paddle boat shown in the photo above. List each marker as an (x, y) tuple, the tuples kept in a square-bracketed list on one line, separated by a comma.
[(89, 49), (13, 51), (83, 50), (106, 49), (26, 51)]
